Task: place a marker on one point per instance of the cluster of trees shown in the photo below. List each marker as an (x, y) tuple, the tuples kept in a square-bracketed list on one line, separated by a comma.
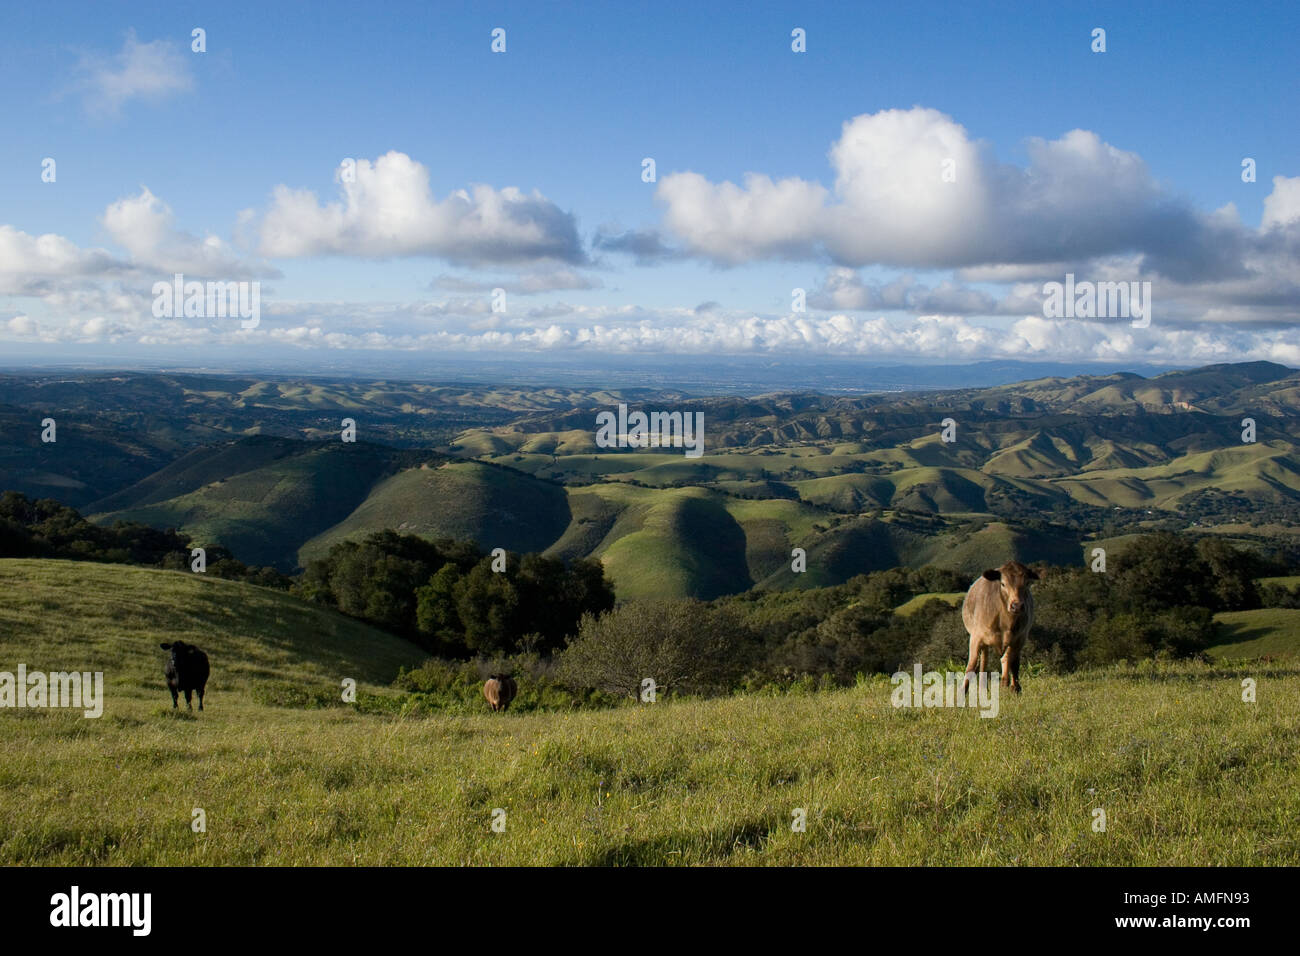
[(1066, 516), (1207, 507), (47, 529), (754, 639), (1157, 598), (1214, 506), (448, 597)]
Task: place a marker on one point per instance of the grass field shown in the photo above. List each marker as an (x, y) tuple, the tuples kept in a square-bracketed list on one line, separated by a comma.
[(1287, 581), (1186, 772), (1272, 632), (951, 598)]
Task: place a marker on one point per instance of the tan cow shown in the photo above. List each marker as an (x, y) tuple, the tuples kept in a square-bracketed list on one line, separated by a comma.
[(998, 612), (500, 690)]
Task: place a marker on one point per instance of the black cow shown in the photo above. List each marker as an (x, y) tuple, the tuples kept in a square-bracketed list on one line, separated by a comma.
[(187, 670)]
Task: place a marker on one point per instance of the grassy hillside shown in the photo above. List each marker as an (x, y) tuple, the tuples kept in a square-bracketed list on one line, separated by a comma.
[(1286, 581), (671, 543), (61, 615), (951, 598), (200, 467), (990, 546), (1266, 465), (264, 510), (1186, 772), (1267, 632), (496, 507)]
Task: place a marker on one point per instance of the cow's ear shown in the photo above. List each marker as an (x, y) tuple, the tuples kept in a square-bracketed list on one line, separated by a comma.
[(993, 574), (165, 647)]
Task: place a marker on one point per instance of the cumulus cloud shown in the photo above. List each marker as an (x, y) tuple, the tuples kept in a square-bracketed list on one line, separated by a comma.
[(93, 294), (1282, 205), (387, 209), (146, 71), (144, 226), (913, 189), (999, 232), (33, 265)]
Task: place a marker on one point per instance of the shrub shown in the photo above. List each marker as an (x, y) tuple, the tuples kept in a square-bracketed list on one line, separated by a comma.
[(683, 646)]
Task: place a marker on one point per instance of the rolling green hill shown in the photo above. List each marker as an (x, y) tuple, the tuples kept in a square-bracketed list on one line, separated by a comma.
[(670, 543), (198, 468), (465, 500), (1286, 581), (264, 514), (72, 615)]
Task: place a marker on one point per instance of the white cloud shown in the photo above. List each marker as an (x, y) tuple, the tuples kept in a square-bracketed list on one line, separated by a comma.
[(464, 325), (1009, 229), (29, 265), (148, 71), (730, 224), (23, 326), (1078, 198), (1282, 205), (388, 209), (143, 225)]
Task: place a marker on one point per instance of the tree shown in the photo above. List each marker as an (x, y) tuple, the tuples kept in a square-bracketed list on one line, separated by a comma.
[(1232, 574), (486, 603), (1160, 571), (435, 611)]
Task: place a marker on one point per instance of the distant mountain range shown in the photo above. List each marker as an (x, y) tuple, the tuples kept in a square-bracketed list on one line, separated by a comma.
[(859, 482), (700, 375)]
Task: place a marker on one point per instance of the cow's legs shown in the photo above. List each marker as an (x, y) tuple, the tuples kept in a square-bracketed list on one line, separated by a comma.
[(1013, 655), (175, 701), (1006, 667), (188, 702), (200, 698), (976, 655)]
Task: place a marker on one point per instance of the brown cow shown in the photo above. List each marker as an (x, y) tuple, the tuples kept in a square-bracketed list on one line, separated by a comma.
[(998, 612), (500, 690)]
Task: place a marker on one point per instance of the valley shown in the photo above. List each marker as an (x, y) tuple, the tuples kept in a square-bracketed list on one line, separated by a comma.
[(1038, 470)]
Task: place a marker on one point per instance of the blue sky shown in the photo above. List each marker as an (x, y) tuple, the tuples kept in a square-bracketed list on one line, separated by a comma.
[(893, 266)]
